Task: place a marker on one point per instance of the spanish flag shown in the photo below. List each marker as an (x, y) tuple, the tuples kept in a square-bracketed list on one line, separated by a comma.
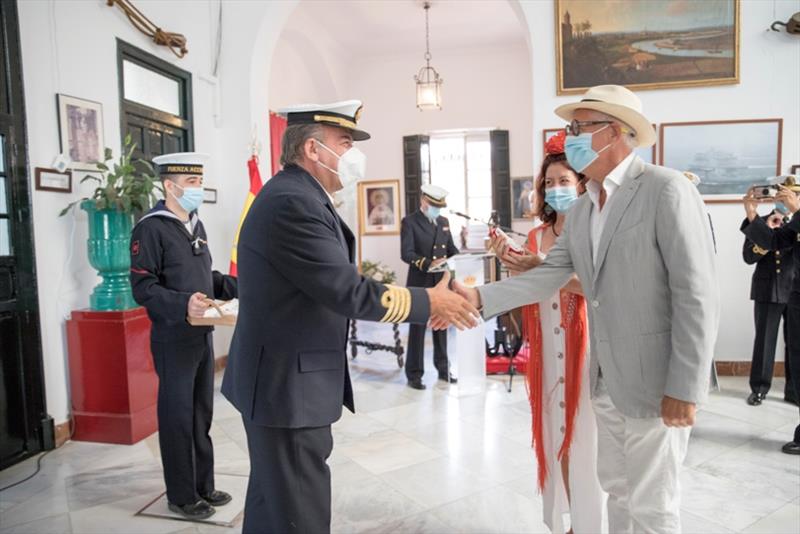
[(255, 187)]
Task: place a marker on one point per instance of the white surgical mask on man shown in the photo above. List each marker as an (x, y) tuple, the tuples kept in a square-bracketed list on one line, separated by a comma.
[(352, 165)]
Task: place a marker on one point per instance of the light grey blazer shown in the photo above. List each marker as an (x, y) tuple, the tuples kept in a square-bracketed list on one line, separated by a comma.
[(652, 293)]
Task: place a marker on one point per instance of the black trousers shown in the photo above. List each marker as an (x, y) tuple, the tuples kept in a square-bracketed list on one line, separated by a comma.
[(415, 358), (185, 407), (290, 483), (793, 320), (767, 317)]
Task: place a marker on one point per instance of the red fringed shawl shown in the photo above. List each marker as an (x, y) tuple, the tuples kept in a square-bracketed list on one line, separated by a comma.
[(574, 323)]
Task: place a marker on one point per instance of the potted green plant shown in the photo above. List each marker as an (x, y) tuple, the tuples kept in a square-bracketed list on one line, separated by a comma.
[(122, 191)]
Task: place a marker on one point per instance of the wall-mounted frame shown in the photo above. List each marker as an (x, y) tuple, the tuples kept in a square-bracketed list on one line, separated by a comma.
[(795, 170), (209, 195), (52, 180), (646, 45), (522, 198), (80, 128), (728, 156), (379, 207)]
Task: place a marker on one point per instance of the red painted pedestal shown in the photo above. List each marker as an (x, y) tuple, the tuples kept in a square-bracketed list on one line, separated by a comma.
[(114, 383)]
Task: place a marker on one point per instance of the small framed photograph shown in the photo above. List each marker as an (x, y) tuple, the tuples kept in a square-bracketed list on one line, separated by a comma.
[(728, 156), (52, 180), (80, 127), (209, 195), (379, 207), (522, 198), (795, 170)]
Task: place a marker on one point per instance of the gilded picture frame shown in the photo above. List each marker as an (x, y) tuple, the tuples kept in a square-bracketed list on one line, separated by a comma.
[(659, 44)]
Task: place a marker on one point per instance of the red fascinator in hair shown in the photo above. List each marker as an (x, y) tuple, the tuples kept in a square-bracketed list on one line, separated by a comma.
[(555, 145)]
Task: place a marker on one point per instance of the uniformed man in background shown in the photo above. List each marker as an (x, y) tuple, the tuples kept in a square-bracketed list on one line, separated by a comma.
[(770, 288), (287, 370), (171, 277), (426, 242)]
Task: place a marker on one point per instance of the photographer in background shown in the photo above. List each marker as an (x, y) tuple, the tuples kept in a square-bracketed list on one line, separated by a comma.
[(770, 288), (787, 201)]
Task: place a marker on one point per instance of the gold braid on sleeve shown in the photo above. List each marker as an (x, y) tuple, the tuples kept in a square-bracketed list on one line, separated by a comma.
[(397, 302)]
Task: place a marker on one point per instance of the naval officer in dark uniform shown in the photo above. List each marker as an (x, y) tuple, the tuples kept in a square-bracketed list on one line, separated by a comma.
[(287, 370), (770, 288), (171, 276), (426, 242), (788, 235)]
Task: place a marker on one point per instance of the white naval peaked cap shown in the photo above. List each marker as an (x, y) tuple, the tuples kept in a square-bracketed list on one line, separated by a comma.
[(435, 195), (343, 114), (181, 163)]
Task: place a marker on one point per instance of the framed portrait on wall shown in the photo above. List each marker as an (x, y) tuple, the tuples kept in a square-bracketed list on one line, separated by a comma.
[(728, 156), (657, 44), (379, 207), (80, 127), (522, 198)]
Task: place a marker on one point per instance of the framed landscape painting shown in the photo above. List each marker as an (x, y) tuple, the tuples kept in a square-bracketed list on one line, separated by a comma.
[(728, 156), (651, 44)]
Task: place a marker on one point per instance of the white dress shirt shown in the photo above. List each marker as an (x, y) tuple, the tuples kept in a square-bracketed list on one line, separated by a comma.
[(613, 181)]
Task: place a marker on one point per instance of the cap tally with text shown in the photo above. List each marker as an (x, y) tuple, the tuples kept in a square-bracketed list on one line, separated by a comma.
[(181, 163), (435, 195), (342, 114)]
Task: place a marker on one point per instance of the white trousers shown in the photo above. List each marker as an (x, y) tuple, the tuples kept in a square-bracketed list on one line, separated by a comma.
[(638, 464)]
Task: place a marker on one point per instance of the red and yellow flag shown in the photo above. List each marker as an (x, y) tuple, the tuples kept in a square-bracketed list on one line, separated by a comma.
[(255, 187)]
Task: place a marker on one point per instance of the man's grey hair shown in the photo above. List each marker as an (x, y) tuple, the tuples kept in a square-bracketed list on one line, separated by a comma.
[(629, 134), (294, 138)]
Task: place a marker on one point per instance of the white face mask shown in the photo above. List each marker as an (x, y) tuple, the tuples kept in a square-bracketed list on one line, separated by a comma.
[(352, 165)]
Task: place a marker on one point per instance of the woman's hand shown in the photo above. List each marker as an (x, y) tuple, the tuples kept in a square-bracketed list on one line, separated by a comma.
[(515, 262)]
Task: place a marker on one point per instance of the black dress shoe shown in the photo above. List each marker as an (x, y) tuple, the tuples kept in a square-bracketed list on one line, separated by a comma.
[(199, 510), (217, 498), (448, 378), (416, 384), (791, 448), (755, 399)]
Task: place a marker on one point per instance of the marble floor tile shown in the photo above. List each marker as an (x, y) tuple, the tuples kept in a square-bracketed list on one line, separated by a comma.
[(387, 451), (692, 524), (48, 502), (785, 520), (724, 502), (56, 524), (347, 472), (94, 488), (368, 504), (759, 466), (119, 518), (436, 482), (422, 523), (702, 450), (725, 430), (494, 510)]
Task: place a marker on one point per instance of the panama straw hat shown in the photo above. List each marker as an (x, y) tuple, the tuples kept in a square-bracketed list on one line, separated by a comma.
[(618, 102)]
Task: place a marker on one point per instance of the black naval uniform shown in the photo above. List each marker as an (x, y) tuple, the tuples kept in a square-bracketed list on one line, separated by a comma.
[(770, 288), (421, 243), (168, 265), (779, 239), (287, 370)]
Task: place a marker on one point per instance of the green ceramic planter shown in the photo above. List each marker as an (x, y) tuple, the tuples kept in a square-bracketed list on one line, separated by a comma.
[(109, 252)]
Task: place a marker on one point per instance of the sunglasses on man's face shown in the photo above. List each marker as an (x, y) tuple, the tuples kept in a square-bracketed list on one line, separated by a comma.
[(574, 127)]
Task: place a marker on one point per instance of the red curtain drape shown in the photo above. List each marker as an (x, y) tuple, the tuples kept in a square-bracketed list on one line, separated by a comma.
[(277, 125)]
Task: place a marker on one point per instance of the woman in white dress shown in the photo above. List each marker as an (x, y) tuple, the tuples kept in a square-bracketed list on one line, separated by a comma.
[(564, 429)]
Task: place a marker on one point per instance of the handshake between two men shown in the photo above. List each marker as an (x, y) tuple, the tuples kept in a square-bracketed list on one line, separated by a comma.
[(454, 304)]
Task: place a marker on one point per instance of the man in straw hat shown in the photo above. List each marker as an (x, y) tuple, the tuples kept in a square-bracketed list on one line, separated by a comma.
[(640, 243)]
